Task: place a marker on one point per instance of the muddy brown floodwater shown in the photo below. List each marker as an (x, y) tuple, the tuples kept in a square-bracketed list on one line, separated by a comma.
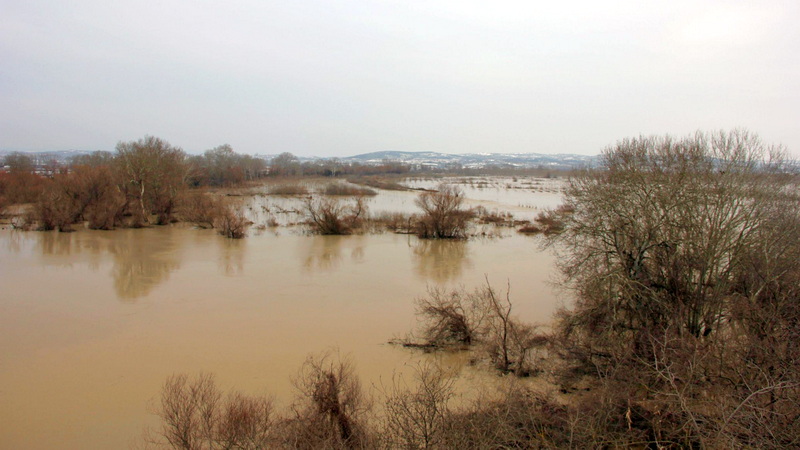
[(93, 322)]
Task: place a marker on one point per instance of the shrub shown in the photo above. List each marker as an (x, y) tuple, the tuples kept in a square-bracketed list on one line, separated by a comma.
[(231, 223), (194, 416), (331, 409), (56, 209), (684, 256), (442, 216), (332, 216), (416, 416), (201, 209), (458, 318)]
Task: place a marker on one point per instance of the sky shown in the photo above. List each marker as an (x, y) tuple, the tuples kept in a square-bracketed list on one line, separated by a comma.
[(344, 77)]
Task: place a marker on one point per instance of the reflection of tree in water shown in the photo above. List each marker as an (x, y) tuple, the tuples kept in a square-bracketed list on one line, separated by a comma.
[(52, 243), (231, 256), (13, 241), (325, 252), (440, 260), (142, 261)]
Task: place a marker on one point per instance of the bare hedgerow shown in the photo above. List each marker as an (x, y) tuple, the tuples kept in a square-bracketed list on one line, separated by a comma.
[(512, 416)]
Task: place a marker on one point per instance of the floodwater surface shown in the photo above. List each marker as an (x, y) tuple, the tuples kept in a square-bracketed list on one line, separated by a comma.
[(93, 322)]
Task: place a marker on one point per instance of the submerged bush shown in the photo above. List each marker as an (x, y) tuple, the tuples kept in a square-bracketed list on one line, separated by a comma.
[(442, 215), (231, 223), (332, 216), (461, 318)]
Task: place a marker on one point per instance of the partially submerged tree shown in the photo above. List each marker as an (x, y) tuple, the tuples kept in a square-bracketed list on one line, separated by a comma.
[(460, 318), (443, 216)]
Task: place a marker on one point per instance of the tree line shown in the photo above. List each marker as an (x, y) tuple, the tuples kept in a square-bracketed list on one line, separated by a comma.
[(143, 181)]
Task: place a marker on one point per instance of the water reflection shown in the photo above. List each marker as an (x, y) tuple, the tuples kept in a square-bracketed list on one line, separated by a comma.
[(231, 256), (324, 253), (13, 240), (52, 243), (141, 264), (440, 260)]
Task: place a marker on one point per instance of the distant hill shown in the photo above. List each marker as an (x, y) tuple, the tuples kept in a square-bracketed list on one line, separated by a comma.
[(427, 159), (478, 160)]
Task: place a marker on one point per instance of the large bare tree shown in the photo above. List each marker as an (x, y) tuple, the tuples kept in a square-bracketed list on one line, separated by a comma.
[(152, 173), (684, 256)]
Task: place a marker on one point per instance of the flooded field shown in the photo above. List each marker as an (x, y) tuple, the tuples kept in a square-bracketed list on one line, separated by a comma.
[(93, 322)]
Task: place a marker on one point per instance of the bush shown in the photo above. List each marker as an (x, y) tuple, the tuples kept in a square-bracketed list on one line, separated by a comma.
[(56, 209), (442, 216), (332, 216), (461, 318), (331, 409), (231, 223), (416, 416), (200, 208), (194, 416), (21, 187)]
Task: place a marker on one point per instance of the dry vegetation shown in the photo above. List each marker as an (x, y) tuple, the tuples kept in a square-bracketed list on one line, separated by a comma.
[(479, 319), (684, 256), (288, 189), (330, 215), (346, 189), (442, 214)]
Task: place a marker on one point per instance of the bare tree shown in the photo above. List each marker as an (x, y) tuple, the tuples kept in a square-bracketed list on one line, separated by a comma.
[(152, 173), (285, 164), (19, 162), (684, 255)]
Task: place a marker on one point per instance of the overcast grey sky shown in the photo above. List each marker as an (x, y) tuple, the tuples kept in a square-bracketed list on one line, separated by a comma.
[(341, 77)]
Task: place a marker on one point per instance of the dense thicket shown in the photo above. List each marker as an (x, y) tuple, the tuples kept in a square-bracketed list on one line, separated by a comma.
[(684, 256)]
